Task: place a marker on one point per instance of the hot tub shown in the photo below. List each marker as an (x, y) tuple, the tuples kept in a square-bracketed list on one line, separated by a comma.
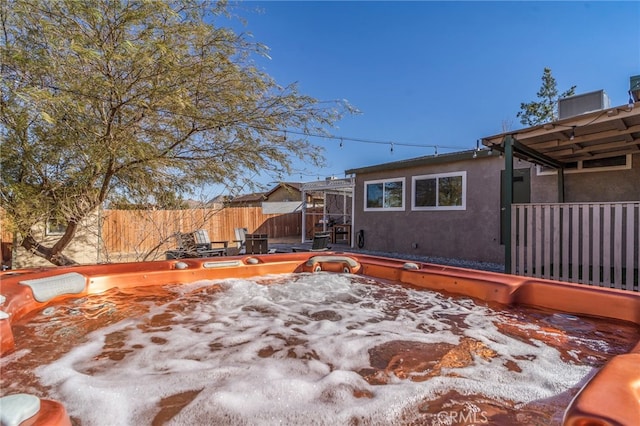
[(349, 338)]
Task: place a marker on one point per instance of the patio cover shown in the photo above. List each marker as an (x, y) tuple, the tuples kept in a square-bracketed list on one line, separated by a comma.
[(598, 134)]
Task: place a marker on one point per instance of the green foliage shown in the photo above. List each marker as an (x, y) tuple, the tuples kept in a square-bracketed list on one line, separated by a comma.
[(546, 108), (137, 100)]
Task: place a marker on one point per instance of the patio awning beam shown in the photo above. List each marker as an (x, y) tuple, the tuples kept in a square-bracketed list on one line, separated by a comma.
[(597, 134), (534, 156)]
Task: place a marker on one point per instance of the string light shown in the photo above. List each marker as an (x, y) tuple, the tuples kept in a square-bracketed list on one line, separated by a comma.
[(284, 137), (475, 151), (359, 140), (306, 174)]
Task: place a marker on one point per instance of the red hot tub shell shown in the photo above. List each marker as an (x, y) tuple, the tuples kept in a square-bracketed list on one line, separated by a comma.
[(611, 397)]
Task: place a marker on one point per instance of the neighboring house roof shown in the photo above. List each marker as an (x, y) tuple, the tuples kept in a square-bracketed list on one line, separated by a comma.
[(263, 196), (422, 161), (295, 186), (253, 197), (219, 199)]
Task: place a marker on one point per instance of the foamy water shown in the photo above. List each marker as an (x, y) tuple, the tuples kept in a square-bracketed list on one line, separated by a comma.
[(290, 352)]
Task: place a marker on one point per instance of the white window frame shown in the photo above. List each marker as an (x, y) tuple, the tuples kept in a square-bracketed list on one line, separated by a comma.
[(437, 176), (540, 171), (383, 182)]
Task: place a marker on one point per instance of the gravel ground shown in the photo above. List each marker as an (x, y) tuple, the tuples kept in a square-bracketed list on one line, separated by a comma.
[(285, 244), (484, 266)]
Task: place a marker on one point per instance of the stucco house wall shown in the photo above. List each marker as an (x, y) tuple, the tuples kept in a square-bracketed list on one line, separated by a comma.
[(284, 192), (82, 249), (597, 185), (470, 234), (474, 233)]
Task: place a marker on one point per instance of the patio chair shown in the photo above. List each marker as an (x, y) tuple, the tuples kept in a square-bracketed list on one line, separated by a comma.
[(257, 244), (320, 243), (195, 244), (241, 234), (203, 242)]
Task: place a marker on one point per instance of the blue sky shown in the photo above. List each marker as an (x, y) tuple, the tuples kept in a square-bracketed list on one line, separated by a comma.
[(438, 73)]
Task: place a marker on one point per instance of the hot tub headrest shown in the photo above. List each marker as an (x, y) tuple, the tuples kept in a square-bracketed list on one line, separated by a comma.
[(3, 315), (14, 409), (45, 289), (221, 264), (329, 259), (349, 264)]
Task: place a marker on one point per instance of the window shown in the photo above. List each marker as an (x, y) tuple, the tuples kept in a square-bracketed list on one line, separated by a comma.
[(55, 227), (445, 191), (611, 162), (619, 162), (384, 195)]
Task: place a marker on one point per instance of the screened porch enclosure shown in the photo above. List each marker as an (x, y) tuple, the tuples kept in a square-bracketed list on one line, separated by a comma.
[(333, 212)]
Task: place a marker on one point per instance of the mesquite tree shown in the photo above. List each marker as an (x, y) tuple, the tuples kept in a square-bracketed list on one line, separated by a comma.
[(136, 99)]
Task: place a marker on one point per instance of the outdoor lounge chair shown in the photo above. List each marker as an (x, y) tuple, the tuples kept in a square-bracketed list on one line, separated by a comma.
[(196, 244), (320, 243), (240, 240), (203, 242)]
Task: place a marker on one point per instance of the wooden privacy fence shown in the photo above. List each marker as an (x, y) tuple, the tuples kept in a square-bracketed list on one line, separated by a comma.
[(139, 231), (588, 243)]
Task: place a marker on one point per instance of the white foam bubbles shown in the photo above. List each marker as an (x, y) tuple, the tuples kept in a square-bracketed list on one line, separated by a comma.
[(291, 352)]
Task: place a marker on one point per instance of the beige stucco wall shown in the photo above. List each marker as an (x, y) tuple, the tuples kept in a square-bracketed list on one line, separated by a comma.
[(83, 249), (592, 186), (285, 194), (471, 234), (474, 234)]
